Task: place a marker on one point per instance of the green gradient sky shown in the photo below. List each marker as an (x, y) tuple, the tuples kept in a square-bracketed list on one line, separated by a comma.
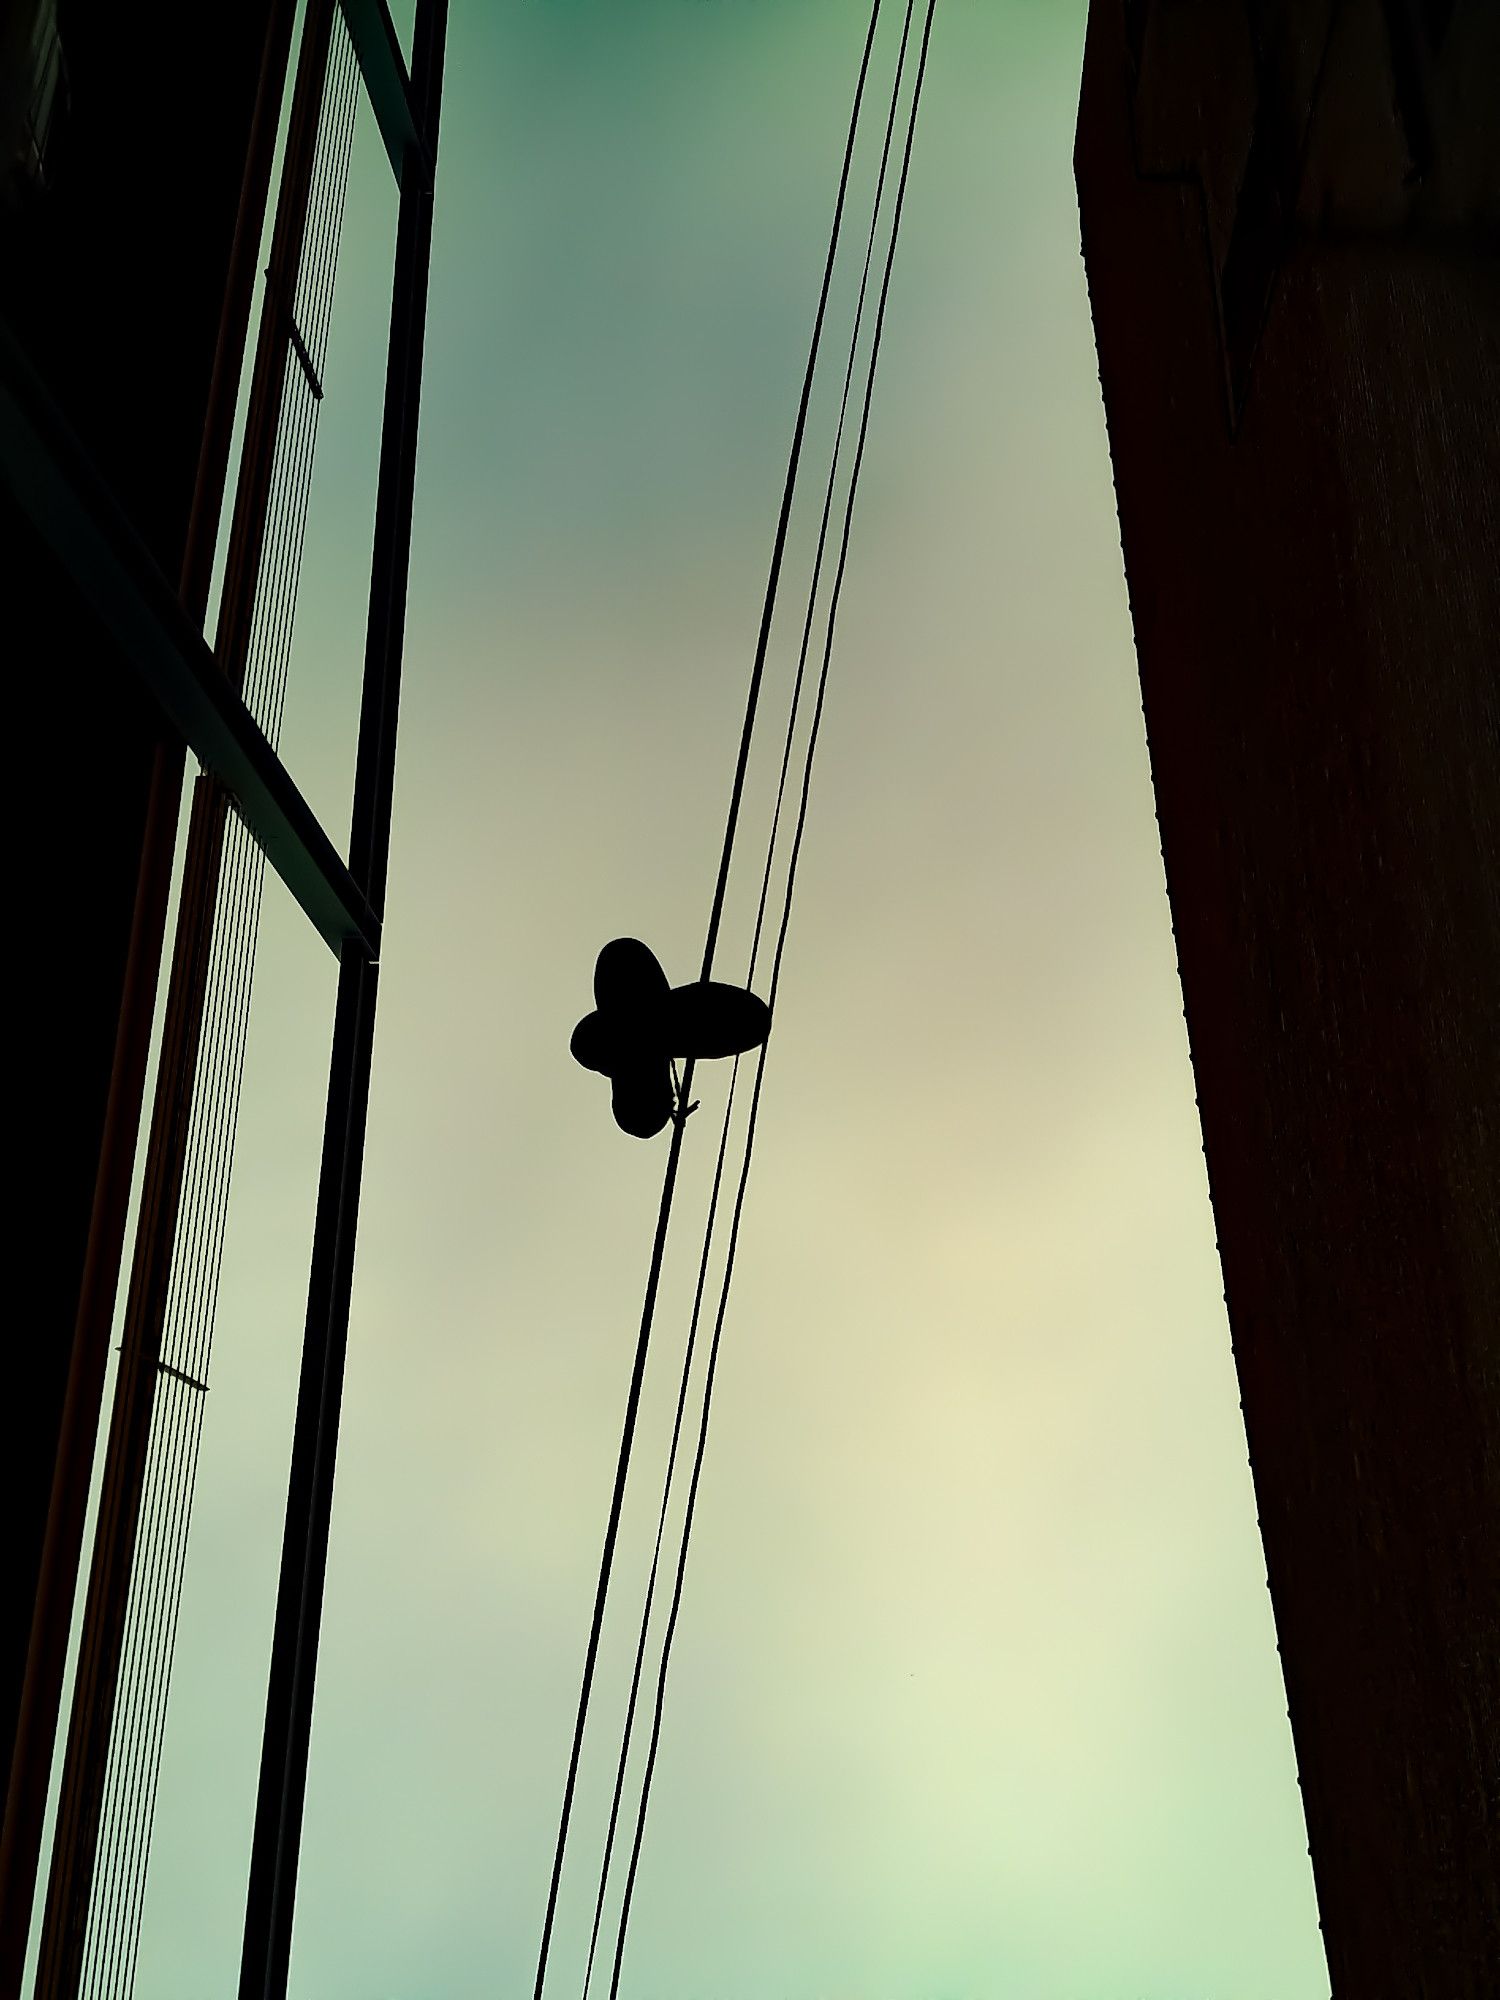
[(976, 1695)]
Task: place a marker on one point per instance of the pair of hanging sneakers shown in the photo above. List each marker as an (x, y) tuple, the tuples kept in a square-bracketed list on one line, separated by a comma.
[(640, 1025)]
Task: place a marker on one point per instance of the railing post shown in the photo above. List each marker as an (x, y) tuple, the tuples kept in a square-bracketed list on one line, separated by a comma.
[(266, 1954)]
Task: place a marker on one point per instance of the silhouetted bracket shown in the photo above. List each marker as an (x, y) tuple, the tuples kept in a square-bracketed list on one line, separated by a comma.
[(46, 471), (640, 1023), (386, 82)]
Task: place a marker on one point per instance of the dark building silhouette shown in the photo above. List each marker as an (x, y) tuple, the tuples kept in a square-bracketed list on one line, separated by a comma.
[(1291, 226), (115, 294), (136, 154)]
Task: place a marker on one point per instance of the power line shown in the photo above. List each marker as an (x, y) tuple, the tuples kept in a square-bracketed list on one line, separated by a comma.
[(708, 1233), (669, 1183), (713, 1356), (640, 1650)]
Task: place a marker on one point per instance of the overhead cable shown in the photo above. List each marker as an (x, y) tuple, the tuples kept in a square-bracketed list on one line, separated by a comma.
[(674, 1153), (713, 1357), (708, 1232)]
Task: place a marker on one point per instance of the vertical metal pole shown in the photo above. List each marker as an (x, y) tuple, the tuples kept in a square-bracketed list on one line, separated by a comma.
[(266, 1955)]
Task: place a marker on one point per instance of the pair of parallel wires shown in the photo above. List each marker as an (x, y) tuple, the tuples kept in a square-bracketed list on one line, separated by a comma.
[(669, 1185), (117, 1896)]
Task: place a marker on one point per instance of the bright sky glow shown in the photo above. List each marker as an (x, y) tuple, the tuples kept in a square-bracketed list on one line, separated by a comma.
[(976, 1695)]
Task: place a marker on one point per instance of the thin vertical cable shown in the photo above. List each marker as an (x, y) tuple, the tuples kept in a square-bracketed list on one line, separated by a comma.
[(638, 1664)]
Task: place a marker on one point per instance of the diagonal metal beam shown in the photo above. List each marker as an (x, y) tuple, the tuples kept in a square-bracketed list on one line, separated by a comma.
[(387, 84), (46, 471)]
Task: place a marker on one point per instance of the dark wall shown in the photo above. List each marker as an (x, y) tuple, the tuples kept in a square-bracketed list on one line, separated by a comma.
[(112, 272), (84, 759), (114, 276), (1291, 225)]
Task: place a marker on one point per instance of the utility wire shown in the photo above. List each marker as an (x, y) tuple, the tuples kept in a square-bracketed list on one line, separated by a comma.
[(758, 671), (674, 1154), (739, 1200), (640, 1650), (708, 1232)]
